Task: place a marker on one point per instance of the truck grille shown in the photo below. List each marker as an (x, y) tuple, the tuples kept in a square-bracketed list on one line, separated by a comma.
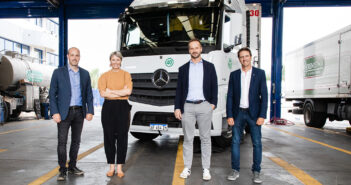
[(145, 118), (144, 91)]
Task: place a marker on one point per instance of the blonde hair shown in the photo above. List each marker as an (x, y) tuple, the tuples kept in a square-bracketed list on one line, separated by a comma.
[(117, 54)]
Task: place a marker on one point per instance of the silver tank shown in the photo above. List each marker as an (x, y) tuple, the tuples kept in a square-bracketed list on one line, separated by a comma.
[(15, 67)]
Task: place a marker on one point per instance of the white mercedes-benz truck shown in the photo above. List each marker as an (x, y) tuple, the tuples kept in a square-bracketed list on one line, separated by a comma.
[(318, 79), (153, 39)]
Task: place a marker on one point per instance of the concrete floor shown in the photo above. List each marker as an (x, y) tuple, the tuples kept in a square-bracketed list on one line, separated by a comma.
[(28, 151)]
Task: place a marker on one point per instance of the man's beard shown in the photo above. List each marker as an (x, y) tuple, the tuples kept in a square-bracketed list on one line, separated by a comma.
[(195, 55), (74, 64)]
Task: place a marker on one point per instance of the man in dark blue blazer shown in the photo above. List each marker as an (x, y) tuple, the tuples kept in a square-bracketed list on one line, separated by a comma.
[(71, 100), (196, 98), (246, 103)]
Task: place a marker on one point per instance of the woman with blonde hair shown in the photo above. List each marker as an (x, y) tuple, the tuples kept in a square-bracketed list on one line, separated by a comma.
[(115, 86)]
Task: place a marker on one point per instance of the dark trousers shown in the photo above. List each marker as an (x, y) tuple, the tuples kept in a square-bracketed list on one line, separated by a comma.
[(74, 120), (115, 123)]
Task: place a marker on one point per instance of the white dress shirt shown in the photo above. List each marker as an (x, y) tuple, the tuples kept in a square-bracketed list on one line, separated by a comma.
[(245, 86)]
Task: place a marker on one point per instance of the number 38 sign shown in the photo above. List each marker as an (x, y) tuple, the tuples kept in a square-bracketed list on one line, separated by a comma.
[(254, 12)]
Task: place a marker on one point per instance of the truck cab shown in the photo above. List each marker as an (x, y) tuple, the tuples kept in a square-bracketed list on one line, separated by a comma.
[(153, 39)]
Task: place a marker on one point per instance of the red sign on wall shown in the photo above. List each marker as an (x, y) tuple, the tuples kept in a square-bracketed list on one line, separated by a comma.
[(254, 12)]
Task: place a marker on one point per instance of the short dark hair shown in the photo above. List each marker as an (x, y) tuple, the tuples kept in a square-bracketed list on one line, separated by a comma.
[(244, 49), (194, 40)]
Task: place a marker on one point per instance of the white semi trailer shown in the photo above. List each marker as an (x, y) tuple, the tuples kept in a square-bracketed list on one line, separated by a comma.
[(23, 84), (318, 79), (153, 38)]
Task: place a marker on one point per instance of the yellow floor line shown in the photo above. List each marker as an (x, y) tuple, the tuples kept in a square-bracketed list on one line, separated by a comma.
[(179, 165), (55, 171), (311, 140), (23, 129), (324, 130), (298, 173), (3, 150)]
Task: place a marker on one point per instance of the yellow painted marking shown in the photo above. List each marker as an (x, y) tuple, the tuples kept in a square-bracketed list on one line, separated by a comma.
[(298, 173), (55, 171), (3, 150), (179, 165), (324, 130), (23, 129), (311, 140)]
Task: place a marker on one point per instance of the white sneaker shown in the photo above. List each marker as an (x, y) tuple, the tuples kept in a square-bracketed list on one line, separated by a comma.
[(186, 173), (206, 175)]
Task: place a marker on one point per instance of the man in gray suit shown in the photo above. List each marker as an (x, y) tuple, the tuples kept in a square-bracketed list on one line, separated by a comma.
[(71, 100)]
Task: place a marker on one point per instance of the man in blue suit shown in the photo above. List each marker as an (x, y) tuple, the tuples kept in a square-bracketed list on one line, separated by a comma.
[(246, 103), (196, 98), (71, 100)]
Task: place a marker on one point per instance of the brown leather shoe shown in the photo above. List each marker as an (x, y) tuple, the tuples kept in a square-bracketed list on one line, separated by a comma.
[(110, 173), (120, 175)]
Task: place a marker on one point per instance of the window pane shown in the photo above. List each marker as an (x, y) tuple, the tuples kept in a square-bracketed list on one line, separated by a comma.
[(39, 55), (56, 60), (8, 45), (17, 47), (2, 45), (25, 49)]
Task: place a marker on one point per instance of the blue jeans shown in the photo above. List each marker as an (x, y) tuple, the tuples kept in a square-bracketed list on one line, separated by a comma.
[(238, 128)]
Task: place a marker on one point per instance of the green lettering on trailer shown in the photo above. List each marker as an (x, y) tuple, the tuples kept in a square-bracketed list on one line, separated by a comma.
[(34, 76), (314, 66)]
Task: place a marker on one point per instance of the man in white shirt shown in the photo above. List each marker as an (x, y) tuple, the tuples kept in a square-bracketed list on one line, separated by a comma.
[(246, 103)]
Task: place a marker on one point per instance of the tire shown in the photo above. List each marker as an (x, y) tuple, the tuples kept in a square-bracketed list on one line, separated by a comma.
[(42, 111), (247, 129), (312, 118), (225, 139), (144, 136), (15, 114), (6, 112)]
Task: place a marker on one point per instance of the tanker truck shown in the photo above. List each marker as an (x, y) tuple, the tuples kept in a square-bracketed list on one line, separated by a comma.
[(318, 79), (24, 84), (153, 39)]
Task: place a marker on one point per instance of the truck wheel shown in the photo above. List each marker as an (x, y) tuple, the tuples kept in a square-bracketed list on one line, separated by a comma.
[(6, 112), (312, 118), (144, 136), (15, 113), (225, 139), (247, 129), (222, 141)]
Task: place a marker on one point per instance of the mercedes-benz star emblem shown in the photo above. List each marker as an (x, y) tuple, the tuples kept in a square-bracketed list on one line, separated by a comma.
[(160, 78)]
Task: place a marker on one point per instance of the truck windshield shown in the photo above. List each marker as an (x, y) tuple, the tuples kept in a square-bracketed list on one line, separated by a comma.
[(168, 32)]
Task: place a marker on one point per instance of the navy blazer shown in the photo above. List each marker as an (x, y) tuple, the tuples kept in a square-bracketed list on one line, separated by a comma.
[(60, 92), (258, 95), (210, 85)]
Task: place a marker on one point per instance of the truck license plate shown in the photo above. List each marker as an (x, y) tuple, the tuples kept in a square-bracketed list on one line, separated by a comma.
[(156, 126)]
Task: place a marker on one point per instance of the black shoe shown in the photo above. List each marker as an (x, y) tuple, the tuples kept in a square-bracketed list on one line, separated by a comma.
[(75, 171), (62, 176)]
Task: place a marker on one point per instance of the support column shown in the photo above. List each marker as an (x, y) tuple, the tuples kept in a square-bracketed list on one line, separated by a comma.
[(63, 31), (276, 73)]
